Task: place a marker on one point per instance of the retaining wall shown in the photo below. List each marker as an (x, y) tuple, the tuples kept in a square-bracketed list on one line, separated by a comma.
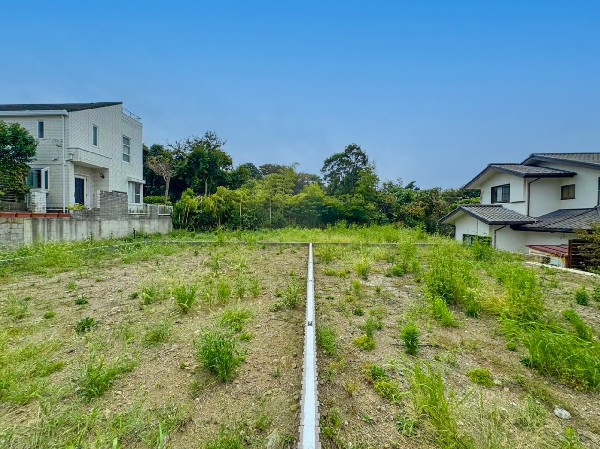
[(19, 231)]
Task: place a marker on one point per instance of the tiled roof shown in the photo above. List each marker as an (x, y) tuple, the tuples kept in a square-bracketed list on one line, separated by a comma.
[(523, 171), (555, 250), (576, 158), (564, 220), (70, 107), (491, 214)]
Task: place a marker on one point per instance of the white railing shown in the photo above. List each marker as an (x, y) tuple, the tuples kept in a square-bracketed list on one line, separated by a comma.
[(150, 209)]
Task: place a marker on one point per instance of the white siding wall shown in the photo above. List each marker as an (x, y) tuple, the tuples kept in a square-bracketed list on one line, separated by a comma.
[(515, 241), (465, 224), (586, 186), (545, 195), (517, 191), (89, 160), (49, 150)]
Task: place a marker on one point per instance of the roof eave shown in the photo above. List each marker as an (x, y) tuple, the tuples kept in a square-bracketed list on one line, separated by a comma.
[(533, 157)]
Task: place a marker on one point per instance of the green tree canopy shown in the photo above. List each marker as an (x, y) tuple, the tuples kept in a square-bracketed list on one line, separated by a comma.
[(17, 149), (342, 171)]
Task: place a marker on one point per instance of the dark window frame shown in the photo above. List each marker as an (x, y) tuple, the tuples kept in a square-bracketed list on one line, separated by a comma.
[(95, 135), (41, 131), (567, 192), (504, 190)]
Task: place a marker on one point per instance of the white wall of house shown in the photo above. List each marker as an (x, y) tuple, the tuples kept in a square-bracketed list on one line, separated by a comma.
[(586, 186), (112, 126), (468, 225), (103, 165), (545, 195), (517, 191), (508, 239)]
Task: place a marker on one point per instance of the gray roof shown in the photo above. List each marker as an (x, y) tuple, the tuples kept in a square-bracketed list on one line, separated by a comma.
[(491, 214), (564, 220), (70, 107), (524, 171), (586, 159)]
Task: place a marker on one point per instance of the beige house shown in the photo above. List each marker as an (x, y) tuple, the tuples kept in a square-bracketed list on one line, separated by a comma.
[(83, 148), (532, 207)]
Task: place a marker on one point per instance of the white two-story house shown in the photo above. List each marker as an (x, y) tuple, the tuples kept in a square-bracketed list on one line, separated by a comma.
[(535, 206), (83, 148)]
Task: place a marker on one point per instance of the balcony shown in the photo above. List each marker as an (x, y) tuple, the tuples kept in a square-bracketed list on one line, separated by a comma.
[(150, 210)]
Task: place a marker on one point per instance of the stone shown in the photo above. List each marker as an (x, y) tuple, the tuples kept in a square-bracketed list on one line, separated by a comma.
[(562, 413)]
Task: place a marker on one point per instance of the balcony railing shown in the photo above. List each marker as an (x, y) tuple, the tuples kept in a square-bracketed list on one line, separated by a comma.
[(150, 209)]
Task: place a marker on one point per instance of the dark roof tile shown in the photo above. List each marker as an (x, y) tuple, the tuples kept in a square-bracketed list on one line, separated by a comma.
[(70, 107), (491, 214)]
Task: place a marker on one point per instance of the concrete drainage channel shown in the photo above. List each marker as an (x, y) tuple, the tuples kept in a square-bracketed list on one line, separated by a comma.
[(309, 419)]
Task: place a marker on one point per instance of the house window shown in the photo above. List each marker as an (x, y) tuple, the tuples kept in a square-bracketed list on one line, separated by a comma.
[(126, 149), (567, 192), (95, 135), (501, 194), (469, 239), (40, 130), (135, 192), (39, 178)]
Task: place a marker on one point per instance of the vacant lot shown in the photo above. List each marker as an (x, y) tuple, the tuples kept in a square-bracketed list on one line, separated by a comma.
[(111, 353), (422, 344), (402, 365)]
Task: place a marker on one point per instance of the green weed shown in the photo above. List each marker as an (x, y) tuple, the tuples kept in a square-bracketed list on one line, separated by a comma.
[(219, 354), (327, 340), (81, 300), (364, 342), (235, 319), (442, 313), (85, 325), (95, 378), (157, 333), (583, 330), (16, 308), (363, 267), (151, 294), (410, 335), (481, 376), (531, 414), (185, 296), (582, 297)]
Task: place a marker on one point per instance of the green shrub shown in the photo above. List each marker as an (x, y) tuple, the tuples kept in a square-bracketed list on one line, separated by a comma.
[(481, 376), (49, 315), (364, 342), (85, 325), (235, 319), (156, 199), (596, 294), (442, 313), (327, 340), (582, 297), (410, 335), (473, 307), (583, 330), (219, 354), (376, 373), (185, 296)]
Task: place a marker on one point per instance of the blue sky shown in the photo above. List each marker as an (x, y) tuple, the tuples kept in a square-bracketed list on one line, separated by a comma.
[(431, 90)]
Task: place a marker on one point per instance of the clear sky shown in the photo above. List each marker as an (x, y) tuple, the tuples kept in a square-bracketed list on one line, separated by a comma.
[(431, 90)]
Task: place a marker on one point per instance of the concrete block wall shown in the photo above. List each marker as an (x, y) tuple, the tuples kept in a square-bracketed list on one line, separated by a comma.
[(114, 206), (37, 201), (12, 231)]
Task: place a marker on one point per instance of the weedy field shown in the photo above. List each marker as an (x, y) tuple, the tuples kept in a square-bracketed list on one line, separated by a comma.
[(152, 346), (444, 346), (423, 343)]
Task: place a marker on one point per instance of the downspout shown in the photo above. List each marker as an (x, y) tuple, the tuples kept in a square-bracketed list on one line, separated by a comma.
[(529, 194), (496, 230), (64, 163)]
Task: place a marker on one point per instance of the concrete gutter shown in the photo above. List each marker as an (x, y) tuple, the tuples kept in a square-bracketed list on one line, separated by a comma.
[(309, 418)]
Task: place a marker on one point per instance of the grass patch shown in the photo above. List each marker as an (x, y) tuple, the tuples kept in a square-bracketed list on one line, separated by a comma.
[(158, 333), (582, 297), (95, 378), (441, 312), (85, 325), (327, 340), (410, 336), (481, 376), (185, 296), (235, 319), (17, 308), (583, 330), (219, 354), (364, 342)]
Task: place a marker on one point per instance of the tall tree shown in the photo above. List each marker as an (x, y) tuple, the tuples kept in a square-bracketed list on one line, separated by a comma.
[(17, 149), (341, 171), (163, 166)]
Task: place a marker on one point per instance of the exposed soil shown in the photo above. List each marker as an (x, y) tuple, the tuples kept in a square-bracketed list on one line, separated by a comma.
[(167, 376), (490, 417)]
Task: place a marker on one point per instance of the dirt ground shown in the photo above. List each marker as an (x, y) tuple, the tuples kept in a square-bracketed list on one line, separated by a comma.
[(517, 411), (260, 405)]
